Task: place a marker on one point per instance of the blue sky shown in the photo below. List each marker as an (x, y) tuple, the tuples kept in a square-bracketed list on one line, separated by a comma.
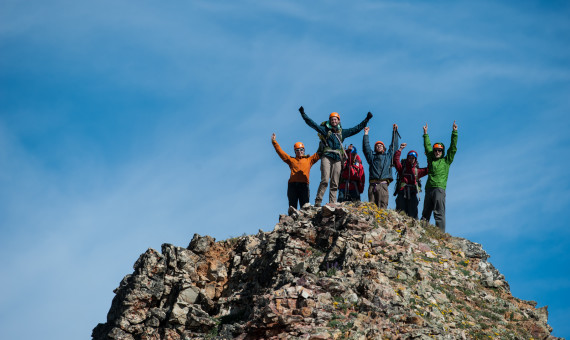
[(128, 124)]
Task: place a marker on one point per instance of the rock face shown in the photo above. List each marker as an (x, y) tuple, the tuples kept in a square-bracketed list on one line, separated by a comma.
[(344, 271)]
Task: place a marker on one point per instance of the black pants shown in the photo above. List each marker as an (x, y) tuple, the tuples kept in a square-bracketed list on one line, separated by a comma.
[(434, 201), (298, 192), (408, 202), (351, 196)]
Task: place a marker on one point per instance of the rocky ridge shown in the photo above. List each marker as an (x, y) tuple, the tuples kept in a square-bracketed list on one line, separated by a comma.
[(343, 271)]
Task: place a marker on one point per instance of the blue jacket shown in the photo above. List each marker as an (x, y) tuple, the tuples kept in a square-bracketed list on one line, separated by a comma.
[(332, 141), (380, 164)]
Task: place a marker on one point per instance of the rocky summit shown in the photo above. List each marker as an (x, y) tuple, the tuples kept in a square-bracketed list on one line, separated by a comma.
[(341, 271)]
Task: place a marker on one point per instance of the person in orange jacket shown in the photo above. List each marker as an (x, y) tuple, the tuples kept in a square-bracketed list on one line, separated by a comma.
[(300, 165)]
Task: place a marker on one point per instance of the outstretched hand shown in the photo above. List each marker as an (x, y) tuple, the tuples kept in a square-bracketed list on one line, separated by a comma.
[(395, 127), (454, 126), (425, 129), (366, 129), (273, 137), (302, 110), (369, 115), (402, 146)]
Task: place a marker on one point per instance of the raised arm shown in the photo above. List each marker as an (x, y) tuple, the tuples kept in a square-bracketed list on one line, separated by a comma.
[(354, 130), (315, 158), (366, 146), (282, 154), (396, 158), (311, 123), (394, 140), (427, 144), (453, 145)]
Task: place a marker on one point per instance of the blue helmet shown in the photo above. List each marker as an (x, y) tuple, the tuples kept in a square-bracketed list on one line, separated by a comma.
[(413, 153)]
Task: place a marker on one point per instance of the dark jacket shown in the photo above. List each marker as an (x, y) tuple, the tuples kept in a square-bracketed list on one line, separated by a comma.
[(332, 138), (407, 173), (380, 164)]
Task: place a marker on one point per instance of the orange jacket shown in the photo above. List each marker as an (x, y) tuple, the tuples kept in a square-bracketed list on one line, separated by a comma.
[(300, 167)]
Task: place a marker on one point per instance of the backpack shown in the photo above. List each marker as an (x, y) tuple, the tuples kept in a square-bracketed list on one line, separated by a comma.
[(400, 184), (323, 145), (350, 171)]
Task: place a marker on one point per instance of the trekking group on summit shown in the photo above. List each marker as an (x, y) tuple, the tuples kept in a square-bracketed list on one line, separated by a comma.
[(344, 170)]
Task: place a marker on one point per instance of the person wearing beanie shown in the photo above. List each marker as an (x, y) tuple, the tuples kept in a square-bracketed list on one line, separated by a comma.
[(300, 165), (408, 185), (352, 177), (438, 171), (332, 135), (380, 168)]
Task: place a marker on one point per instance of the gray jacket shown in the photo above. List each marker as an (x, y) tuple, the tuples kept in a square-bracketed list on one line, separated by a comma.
[(380, 164)]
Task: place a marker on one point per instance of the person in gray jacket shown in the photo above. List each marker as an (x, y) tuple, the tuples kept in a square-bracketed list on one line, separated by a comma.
[(380, 168)]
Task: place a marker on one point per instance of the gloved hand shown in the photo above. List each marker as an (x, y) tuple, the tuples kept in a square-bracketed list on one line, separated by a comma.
[(369, 115), (302, 110)]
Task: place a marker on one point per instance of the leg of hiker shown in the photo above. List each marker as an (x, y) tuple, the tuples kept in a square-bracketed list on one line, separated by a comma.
[(412, 208), (400, 201), (341, 195), (326, 164), (354, 196), (439, 210), (429, 204), (384, 195), (292, 194), (371, 193), (303, 194), (374, 193), (336, 167)]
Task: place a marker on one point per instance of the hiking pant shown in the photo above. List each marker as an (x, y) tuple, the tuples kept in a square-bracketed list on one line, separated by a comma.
[(378, 193), (434, 201), (352, 196), (407, 202), (298, 192), (330, 169)]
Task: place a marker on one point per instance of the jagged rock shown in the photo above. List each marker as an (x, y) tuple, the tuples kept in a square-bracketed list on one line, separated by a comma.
[(345, 270)]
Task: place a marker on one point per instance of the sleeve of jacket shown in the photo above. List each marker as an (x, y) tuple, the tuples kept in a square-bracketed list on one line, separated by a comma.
[(315, 126), (362, 176), (354, 130), (428, 148), (282, 154), (366, 149), (452, 148), (315, 158), (422, 172), (393, 144), (396, 160)]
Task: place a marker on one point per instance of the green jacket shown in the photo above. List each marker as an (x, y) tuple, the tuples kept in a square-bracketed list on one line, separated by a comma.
[(438, 169)]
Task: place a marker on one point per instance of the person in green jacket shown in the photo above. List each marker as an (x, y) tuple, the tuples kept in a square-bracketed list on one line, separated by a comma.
[(438, 171)]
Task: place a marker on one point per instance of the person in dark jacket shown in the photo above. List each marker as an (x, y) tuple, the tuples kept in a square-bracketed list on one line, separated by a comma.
[(438, 171), (380, 168), (332, 135), (409, 173), (352, 177), (300, 165)]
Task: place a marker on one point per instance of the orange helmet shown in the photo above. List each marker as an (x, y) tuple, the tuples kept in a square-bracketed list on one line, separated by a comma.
[(438, 146), (380, 142), (334, 114), (298, 145)]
